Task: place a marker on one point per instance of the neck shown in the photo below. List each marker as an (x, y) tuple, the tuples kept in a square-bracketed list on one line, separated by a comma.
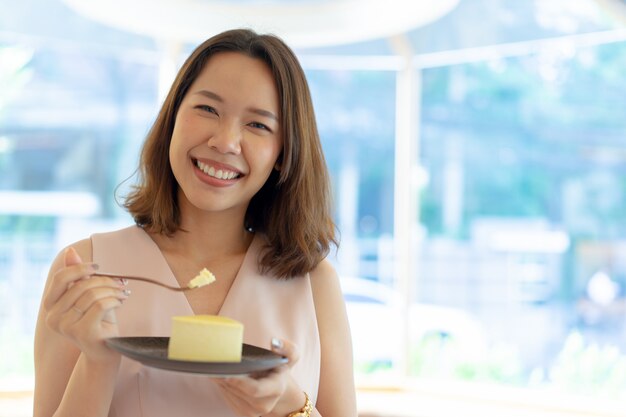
[(208, 236)]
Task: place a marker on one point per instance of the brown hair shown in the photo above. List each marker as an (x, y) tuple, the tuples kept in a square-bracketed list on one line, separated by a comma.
[(292, 209)]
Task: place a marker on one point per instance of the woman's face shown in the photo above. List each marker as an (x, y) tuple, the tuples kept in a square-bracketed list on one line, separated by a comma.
[(226, 137)]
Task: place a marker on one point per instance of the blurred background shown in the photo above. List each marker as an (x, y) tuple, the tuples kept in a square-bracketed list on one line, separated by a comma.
[(478, 158)]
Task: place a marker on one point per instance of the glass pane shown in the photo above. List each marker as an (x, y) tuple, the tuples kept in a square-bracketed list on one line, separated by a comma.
[(525, 222), (355, 112), (71, 122)]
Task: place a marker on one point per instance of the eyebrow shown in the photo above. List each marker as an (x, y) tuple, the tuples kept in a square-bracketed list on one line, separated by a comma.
[(210, 94), (216, 97)]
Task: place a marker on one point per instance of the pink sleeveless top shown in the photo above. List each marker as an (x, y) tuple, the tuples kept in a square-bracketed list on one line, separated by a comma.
[(267, 307)]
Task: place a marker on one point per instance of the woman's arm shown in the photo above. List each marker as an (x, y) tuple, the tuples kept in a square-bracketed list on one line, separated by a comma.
[(336, 395), (74, 371)]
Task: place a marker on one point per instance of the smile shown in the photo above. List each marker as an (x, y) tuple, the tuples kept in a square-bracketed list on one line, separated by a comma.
[(220, 174)]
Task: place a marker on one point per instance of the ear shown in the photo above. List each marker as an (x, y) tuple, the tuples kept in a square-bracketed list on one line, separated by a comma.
[(277, 166)]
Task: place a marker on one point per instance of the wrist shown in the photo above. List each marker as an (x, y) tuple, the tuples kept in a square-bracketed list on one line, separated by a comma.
[(103, 363), (292, 401), (306, 409)]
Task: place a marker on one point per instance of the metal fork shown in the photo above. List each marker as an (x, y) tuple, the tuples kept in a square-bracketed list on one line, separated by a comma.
[(144, 279)]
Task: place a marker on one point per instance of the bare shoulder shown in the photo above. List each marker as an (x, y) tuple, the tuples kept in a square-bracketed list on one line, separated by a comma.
[(326, 288), (324, 278)]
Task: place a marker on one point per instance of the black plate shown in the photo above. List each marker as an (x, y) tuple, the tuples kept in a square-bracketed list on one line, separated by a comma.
[(152, 351)]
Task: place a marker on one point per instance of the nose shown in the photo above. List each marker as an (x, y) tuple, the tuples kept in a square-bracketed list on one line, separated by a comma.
[(226, 138)]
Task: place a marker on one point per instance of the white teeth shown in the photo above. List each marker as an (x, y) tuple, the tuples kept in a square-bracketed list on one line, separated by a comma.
[(219, 174)]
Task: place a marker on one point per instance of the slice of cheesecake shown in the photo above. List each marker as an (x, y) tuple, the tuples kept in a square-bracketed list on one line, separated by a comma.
[(205, 338)]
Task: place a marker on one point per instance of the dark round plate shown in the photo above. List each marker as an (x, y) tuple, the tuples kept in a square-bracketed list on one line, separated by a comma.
[(152, 351)]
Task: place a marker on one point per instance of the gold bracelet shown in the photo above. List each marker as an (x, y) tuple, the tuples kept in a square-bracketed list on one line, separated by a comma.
[(304, 411)]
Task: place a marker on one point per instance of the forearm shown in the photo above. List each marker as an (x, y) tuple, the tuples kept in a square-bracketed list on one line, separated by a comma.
[(90, 389)]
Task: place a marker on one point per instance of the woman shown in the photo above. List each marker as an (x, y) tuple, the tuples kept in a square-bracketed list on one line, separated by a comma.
[(233, 179)]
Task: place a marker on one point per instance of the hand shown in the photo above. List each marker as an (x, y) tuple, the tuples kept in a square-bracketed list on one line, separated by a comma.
[(80, 307), (273, 394)]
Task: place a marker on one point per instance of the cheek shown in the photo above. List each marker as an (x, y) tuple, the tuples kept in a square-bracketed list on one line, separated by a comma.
[(173, 150), (182, 125), (263, 155), (174, 161), (274, 150), (177, 152), (270, 157), (180, 138)]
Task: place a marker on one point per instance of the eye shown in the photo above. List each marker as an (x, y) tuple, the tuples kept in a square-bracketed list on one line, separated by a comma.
[(206, 108), (258, 125)]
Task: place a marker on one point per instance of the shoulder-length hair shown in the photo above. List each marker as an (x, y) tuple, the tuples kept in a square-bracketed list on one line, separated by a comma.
[(293, 208)]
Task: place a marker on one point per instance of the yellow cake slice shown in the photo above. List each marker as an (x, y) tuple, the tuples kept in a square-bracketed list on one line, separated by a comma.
[(205, 338)]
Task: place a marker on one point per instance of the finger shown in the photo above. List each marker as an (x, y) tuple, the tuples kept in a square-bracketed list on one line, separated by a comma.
[(61, 318), (287, 349), (70, 297), (71, 257), (110, 317), (99, 309), (87, 324), (95, 295), (73, 322), (65, 278), (270, 385)]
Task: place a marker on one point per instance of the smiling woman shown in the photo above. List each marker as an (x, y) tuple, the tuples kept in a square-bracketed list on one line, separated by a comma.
[(232, 178)]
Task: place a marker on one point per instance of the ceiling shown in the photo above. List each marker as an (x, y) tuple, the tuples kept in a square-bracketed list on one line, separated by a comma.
[(302, 23)]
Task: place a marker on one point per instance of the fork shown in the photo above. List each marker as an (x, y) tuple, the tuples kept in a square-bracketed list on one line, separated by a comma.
[(144, 279)]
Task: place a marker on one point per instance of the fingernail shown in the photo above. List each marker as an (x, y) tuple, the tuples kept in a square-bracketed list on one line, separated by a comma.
[(277, 343), (126, 292)]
